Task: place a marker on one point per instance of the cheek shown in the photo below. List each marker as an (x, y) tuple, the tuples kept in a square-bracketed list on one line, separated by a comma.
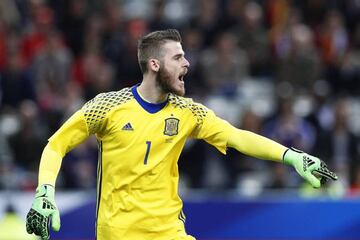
[(171, 73), (171, 68)]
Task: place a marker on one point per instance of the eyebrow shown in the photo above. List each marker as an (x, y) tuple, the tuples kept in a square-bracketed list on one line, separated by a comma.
[(178, 55)]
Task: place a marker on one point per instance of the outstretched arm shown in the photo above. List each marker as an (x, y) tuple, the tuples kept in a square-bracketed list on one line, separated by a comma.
[(256, 145), (309, 167)]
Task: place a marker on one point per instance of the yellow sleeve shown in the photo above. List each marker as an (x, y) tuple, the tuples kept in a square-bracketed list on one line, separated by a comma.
[(255, 145), (211, 128), (91, 119), (73, 132)]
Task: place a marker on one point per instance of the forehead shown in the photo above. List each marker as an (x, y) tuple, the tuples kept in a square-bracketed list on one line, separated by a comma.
[(172, 48)]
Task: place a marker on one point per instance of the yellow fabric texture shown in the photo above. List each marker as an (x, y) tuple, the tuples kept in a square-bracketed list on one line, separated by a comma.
[(255, 145), (73, 132), (138, 153)]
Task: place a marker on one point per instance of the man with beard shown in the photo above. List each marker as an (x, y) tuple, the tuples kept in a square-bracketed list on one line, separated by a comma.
[(141, 131)]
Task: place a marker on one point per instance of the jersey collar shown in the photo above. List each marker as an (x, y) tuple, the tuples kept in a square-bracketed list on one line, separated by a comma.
[(149, 107)]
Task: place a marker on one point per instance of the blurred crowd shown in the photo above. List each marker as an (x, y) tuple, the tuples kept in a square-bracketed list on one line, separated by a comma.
[(286, 69)]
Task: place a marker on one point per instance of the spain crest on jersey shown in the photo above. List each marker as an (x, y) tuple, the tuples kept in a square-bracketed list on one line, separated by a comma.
[(171, 126)]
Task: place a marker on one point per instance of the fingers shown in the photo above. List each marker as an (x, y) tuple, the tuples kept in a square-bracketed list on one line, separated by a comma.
[(315, 182), (29, 216), (326, 173), (29, 230), (44, 229), (322, 171), (55, 221), (30, 220), (37, 224)]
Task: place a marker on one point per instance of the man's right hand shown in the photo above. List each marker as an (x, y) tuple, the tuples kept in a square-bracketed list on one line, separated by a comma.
[(43, 208)]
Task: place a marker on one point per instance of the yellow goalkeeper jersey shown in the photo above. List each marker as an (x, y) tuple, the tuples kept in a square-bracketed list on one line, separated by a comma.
[(139, 146)]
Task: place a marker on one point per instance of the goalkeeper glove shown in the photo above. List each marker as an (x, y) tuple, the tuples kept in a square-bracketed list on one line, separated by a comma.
[(311, 168), (43, 207)]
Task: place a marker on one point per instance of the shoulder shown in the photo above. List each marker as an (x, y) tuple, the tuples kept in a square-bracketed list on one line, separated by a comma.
[(102, 103), (198, 110), (108, 100), (96, 110)]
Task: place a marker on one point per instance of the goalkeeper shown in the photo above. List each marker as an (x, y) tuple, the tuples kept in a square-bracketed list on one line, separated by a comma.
[(141, 132)]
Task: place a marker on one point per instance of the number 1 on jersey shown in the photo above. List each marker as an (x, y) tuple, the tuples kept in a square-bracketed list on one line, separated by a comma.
[(148, 143)]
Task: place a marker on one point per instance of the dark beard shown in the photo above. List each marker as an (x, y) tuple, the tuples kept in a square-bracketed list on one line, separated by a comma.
[(163, 78)]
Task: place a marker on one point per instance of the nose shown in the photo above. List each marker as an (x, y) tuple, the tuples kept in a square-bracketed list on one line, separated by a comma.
[(186, 64)]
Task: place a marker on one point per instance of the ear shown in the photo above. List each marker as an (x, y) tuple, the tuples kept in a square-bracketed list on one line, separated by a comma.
[(154, 64)]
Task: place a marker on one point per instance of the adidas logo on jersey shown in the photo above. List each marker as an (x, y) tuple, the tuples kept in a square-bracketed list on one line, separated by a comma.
[(128, 127)]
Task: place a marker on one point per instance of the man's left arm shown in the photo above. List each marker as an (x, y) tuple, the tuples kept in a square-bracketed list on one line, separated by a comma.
[(311, 168), (222, 134)]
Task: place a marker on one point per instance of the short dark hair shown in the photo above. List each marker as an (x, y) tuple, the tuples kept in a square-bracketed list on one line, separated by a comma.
[(150, 45)]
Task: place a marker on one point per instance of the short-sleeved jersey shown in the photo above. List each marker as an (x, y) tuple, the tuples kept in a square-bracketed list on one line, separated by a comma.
[(139, 147)]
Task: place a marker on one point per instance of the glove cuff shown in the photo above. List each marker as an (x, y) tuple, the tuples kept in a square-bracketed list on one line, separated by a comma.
[(291, 155), (45, 190)]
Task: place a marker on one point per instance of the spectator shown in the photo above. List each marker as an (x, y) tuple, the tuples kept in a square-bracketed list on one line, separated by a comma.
[(291, 131), (350, 67), (334, 43), (339, 146), (301, 64), (16, 83), (28, 142), (253, 39), (114, 39), (226, 65), (101, 81), (51, 67), (72, 23), (158, 20), (206, 20), (42, 23), (127, 65)]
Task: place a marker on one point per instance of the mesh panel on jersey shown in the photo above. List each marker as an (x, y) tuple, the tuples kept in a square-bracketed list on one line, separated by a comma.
[(96, 109), (198, 110)]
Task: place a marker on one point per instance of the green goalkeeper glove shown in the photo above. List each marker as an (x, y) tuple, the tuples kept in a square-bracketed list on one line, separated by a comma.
[(311, 168), (43, 207)]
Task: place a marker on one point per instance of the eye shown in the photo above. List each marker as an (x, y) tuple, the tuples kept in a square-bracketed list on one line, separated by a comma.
[(178, 57)]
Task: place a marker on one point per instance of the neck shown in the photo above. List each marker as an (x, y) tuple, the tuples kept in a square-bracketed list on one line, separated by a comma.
[(150, 91)]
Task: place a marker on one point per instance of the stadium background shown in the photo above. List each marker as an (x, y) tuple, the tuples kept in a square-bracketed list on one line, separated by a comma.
[(287, 69)]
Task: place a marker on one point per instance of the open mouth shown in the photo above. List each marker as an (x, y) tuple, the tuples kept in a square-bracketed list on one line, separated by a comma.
[(181, 76)]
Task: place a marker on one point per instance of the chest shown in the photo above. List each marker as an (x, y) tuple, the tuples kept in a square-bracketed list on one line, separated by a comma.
[(132, 127)]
